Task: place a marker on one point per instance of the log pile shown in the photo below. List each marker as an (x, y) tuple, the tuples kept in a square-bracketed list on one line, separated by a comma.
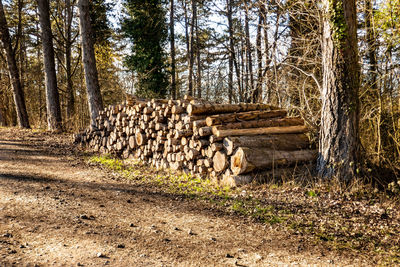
[(221, 141)]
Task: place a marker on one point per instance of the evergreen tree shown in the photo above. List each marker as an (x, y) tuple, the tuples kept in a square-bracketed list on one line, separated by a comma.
[(145, 26)]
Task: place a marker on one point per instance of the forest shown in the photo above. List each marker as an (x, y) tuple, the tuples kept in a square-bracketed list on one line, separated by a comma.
[(199, 133), (334, 63)]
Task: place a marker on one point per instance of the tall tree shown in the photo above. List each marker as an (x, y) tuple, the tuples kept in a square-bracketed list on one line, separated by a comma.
[(89, 61), (146, 27), (18, 92), (231, 48), (191, 46), (68, 58), (339, 144), (54, 121), (198, 56), (172, 44), (257, 93), (249, 57)]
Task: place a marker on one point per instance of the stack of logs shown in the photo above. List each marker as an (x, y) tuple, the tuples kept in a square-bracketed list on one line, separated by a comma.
[(226, 141)]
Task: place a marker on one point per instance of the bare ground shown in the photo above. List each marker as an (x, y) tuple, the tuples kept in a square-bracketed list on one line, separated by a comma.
[(57, 210)]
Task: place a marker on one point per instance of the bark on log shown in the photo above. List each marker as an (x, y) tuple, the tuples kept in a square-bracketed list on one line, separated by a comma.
[(261, 123), (248, 159), (244, 116), (261, 131), (273, 142), (207, 108)]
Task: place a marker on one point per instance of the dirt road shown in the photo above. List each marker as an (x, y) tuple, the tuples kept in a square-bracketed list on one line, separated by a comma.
[(55, 210)]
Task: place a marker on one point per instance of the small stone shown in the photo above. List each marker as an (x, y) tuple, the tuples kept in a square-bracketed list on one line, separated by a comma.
[(21, 246), (229, 256), (121, 246), (132, 225), (213, 239), (177, 229), (101, 206), (101, 255), (85, 217), (129, 201), (190, 232), (13, 251), (107, 263), (258, 257), (79, 264)]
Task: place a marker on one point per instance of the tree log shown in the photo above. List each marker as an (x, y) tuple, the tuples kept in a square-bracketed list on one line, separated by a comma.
[(260, 131), (132, 142), (207, 108), (244, 116), (273, 142), (295, 121), (220, 161), (248, 159)]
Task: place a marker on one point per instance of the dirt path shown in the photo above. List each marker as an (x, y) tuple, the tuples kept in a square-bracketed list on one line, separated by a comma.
[(55, 210)]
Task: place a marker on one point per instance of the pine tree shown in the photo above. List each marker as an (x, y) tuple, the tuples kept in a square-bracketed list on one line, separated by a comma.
[(145, 26)]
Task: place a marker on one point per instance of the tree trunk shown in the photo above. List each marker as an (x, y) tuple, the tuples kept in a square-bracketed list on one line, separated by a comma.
[(174, 94), (198, 59), (18, 92), (89, 61), (339, 142), (257, 94), (191, 45), (188, 51), (372, 75), (68, 60), (249, 58), (54, 121), (231, 50)]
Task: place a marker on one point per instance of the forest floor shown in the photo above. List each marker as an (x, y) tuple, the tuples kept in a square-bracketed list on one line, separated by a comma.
[(60, 205)]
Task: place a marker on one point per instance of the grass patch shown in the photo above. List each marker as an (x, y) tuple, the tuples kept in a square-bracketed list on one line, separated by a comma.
[(194, 187)]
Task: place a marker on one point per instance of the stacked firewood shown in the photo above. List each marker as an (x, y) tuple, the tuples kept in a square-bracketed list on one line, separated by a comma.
[(217, 140)]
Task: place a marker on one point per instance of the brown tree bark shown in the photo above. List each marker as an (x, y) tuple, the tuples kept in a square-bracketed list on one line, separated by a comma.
[(54, 121), (172, 43), (257, 93), (68, 59), (247, 159), (89, 61), (249, 57), (285, 142), (339, 142), (191, 44), (188, 50), (18, 92), (231, 50), (198, 59)]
